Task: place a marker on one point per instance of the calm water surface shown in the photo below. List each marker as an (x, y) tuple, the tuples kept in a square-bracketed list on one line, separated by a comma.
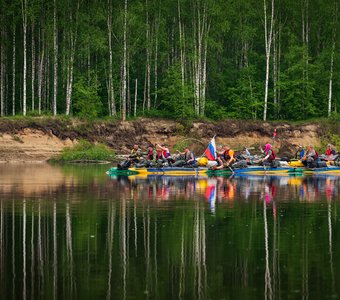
[(74, 232)]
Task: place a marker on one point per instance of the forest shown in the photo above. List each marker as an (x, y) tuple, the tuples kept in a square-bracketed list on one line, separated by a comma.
[(179, 59)]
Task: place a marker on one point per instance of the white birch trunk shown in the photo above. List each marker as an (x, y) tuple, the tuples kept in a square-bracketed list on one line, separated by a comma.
[(13, 70), (2, 73), (124, 64), (33, 67), (156, 59), (148, 67), (135, 106), (24, 23), (73, 40), (55, 62), (111, 93), (330, 87), (40, 78), (268, 42), (181, 46)]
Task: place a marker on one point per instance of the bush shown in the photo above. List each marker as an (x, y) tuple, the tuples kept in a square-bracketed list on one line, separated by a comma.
[(86, 151)]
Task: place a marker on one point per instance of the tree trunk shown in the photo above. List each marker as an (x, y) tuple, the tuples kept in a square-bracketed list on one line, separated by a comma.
[(24, 24), (33, 66), (148, 54), (13, 70), (135, 107), (181, 42), (73, 40), (268, 43), (55, 62), (2, 72), (111, 93), (156, 58), (124, 64), (40, 78), (330, 88)]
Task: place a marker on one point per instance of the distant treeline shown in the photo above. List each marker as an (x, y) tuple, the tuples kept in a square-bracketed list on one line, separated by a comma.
[(245, 59)]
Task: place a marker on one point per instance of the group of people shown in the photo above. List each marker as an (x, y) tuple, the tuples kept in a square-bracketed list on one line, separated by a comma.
[(159, 155), (310, 156)]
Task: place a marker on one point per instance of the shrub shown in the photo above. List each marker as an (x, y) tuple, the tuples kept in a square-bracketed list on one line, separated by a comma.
[(86, 151)]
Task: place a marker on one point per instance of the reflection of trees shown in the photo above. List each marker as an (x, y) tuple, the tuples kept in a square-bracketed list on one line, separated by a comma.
[(127, 242)]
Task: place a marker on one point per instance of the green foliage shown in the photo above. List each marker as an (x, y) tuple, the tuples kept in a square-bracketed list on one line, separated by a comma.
[(86, 151), (87, 102), (298, 101), (176, 98), (235, 57), (246, 97)]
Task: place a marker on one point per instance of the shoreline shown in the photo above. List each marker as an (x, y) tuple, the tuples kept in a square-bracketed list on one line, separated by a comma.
[(35, 142)]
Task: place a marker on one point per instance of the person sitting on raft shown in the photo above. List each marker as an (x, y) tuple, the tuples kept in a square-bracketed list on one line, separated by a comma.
[(135, 154), (134, 158), (270, 155), (310, 157), (189, 157), (300, 152), (151, 153), (330, 150), (225, 158)]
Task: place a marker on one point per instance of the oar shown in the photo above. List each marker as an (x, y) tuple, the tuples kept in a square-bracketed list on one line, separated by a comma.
[(232, 171)]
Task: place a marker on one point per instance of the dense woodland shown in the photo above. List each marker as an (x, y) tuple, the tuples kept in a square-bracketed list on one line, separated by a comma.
[(245, 59)]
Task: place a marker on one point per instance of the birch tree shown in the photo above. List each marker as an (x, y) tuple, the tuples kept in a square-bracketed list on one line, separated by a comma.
[(2, 70), (124, 64), (201, 30), (24, 25), (32, 64), (330, 87), (73, 18), (268, 35), (13, 66), (111, 93), (55, 61)]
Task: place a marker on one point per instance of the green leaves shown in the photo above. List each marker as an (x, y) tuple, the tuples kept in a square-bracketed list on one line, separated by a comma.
[(87, 102)]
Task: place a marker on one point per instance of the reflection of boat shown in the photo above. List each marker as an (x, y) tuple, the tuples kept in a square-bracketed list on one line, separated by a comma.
[(256, 170)]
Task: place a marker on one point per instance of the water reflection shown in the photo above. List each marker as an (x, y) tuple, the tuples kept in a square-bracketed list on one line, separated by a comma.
[(167, 237), (226, 189)]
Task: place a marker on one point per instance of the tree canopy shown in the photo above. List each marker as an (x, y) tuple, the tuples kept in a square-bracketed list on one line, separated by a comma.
[(191, 58)]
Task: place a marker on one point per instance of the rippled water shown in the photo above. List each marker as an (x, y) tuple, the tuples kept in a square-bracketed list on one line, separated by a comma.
[(74, 232)]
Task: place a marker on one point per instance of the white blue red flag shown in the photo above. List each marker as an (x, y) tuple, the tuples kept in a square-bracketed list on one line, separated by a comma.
[(210, 152)]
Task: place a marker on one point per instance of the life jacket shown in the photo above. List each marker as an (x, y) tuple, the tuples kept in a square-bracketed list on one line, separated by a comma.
[(159, 155), (272, 156), (135, 153), (316, 156), (166, 153), (227, 154), (150, 154)]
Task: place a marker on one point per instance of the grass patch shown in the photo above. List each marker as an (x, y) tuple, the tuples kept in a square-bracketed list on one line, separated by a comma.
[(86, 151)]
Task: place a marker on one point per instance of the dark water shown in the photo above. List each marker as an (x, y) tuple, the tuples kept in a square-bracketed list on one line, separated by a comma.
[(73, 232)]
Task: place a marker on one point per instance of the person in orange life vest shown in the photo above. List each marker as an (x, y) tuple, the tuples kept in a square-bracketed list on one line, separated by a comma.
[(225, 158), (151, 153)]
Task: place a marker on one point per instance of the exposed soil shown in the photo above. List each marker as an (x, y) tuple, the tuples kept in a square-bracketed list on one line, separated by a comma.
[(41, 139)]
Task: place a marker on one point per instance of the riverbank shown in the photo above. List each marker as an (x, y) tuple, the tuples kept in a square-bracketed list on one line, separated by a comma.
[(40, 139)]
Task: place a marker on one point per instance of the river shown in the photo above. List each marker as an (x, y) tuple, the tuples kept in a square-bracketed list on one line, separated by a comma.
[(73, 232)]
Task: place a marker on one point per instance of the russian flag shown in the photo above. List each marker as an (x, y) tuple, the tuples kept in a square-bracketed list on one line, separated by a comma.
[(210, 152)]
